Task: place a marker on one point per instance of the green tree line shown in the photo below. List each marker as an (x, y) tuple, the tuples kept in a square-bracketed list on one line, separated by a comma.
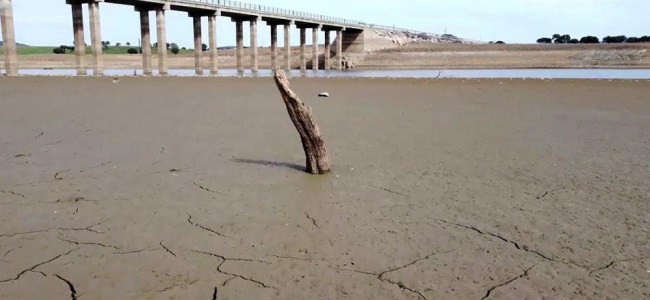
[(566, 39)]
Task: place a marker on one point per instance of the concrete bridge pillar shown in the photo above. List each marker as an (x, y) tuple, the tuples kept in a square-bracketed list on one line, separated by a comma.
[(145, 41), (253, 48), (9, 37), (303, 42), (79, 43), (198, 46), (162, 39), (212, 24), (339, 49), (96, 37), (239, 28), (274, 46), (314, 55), (327, 49), (287, 47)]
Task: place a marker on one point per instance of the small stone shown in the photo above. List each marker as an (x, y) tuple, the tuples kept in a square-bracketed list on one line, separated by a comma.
[(324, 95)]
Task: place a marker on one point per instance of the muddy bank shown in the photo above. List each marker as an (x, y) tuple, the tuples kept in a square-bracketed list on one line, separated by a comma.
[(188, 188)]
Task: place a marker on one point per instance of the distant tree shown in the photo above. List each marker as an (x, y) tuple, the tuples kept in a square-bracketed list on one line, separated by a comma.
[(589, 40), (128, 44), (561, 39), (614, 39), (132, 51), (175, 49), (491, 42), (172, 45), (544, 40), (58, 50), (574, 41), (643, 39), (500, 42), (204, 47), (184, 48), (67, 48), (118, 44)]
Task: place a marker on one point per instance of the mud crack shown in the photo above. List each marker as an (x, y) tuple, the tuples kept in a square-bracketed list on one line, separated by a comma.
[(88, 243), (207, 189), (313, 221), (176, 285), (400, 284), (73, 292), (517, 245), (12, 193), (611, 264), (167, 249), (225, 259), (215, 294), (87, 228), (386, 190), (96, 167), (33, 268), (509, 281), (189, 220)]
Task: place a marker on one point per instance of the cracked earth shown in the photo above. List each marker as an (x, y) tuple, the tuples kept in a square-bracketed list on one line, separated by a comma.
[(442, 189)]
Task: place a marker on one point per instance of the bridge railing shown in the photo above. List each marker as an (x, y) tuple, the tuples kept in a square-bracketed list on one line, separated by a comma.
[(292, 14)]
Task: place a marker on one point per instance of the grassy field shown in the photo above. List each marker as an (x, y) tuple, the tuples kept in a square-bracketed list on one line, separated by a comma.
[(40, 50)]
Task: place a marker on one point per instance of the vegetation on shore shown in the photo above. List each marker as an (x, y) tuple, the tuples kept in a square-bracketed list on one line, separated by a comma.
[(566, 39)]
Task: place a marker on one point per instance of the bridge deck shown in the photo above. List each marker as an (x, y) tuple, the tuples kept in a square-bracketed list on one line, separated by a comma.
[(243, 10)]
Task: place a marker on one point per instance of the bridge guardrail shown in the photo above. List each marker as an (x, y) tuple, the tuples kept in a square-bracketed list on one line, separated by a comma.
[(293, 14)]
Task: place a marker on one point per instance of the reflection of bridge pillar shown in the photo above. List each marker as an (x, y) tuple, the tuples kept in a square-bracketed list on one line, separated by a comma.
[(212, 24), (327, 49), (9, 37), (79, 43), (145, 41), (303, 42), (162, 40), (339, 49), (96, 36), (198, 46), (240, 45), (274, 46), (314, 54), (287, 46), (254, 51)]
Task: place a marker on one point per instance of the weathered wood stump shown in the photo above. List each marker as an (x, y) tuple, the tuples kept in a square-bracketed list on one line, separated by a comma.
[(312, 141)]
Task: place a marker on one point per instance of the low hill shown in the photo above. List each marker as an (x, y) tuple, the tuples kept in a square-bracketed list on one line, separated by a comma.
[(17, 44)]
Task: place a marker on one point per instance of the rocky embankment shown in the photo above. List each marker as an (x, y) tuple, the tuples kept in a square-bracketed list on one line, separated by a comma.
[(402, 37)]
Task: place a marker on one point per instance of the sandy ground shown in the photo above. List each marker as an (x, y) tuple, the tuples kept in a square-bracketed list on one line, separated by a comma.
[(191, 188), (413, 56), (515, 56)]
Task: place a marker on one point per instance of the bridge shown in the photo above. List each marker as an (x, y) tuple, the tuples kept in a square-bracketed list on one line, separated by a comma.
[(349, 33)]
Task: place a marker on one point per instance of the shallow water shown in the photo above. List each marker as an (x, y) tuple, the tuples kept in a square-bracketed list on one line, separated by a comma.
[(463, 73)]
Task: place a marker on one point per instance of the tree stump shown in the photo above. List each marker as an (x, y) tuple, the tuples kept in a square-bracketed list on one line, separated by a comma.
[(312, 141)]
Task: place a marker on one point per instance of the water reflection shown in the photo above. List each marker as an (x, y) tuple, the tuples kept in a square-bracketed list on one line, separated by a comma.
[(468, 73)]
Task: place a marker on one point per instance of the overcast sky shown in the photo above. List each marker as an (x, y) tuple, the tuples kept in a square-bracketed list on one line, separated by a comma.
[(49, 22)]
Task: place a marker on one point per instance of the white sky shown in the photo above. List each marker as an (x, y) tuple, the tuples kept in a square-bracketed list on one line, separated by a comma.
[(49, 22)]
